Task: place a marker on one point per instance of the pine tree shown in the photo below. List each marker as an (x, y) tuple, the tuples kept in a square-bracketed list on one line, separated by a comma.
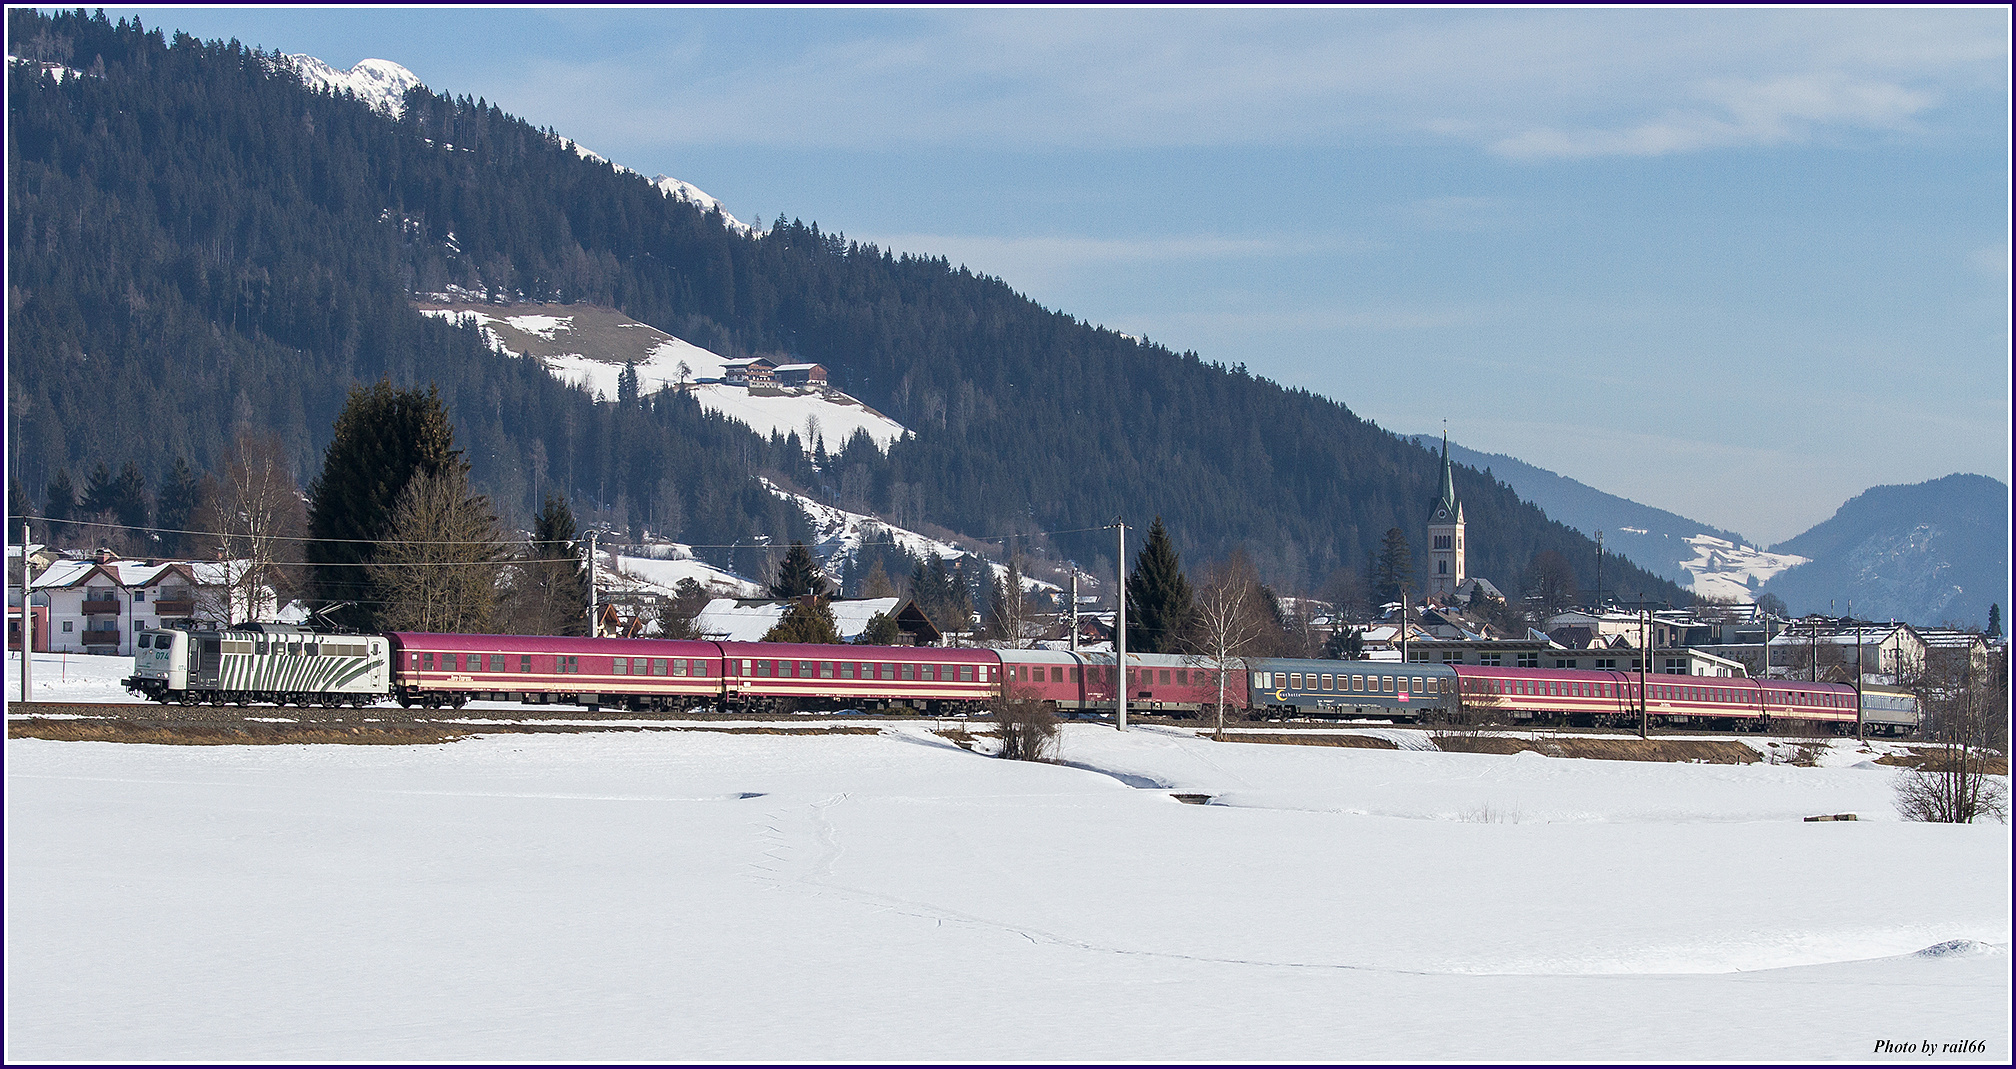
[(176, 507), (384, 438), (809, 620), (1995, 620), (554, 598), (97, 491), (1393, 575), (627, 386), (798, 574), (59, 503), (881, 631), (1158, 596), (129, 497)]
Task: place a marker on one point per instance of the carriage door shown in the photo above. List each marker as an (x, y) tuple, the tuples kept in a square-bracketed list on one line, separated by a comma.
[(209, 660)]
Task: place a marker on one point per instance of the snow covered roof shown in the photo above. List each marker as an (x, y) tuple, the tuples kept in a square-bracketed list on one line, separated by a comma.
[(733, 620), (799, 367)]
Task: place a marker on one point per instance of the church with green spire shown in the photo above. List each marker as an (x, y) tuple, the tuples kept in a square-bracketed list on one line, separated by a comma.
[(1445, 534)]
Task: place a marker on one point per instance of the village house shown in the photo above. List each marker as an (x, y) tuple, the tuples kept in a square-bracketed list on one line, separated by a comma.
[(799, 375)]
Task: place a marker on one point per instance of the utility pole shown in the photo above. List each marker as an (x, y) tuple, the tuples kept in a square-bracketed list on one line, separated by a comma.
[(27, 621), (1644, 662), (1403, 627), (591, 584), (1856, 630), (1120, 633), (1074, 606), (1599, 581)]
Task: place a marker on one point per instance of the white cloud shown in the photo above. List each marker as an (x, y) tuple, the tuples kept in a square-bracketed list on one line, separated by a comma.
[(1735, 112), (1529, 83)]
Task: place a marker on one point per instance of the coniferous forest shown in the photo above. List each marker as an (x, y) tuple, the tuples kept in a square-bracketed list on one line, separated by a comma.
[(201, 246)]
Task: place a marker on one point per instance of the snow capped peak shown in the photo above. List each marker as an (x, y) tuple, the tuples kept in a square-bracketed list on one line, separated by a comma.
[(678, 189), (380, 83), (675, 188)]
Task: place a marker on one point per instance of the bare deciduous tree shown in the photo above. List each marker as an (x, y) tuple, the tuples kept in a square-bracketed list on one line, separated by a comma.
[(437, 568), (1965, 707), (255, 512), (1011, 620), (1229, 616)]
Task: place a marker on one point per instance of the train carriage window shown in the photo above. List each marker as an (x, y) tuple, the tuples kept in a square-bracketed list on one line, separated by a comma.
[(678, 666), (622, 666), (525, 662), (966, 673), (496, 662), (846, 669), (1075, 676), (1162, 676), (825, 669), (906, 672), (426, 662), (1329, 681), (1389, 680), (1295, 680), (762, 668), (1183, 678)]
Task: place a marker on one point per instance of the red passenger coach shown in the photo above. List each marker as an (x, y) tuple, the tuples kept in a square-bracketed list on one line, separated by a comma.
[(1603, 699), (1156, 683), (777, 674), (436, 670)]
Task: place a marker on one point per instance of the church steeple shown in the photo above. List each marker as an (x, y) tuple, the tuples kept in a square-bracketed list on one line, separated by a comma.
[(1445, 532)]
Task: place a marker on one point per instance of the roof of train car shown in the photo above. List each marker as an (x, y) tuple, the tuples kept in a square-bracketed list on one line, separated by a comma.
[(808, 652), (1105, 657), (1665, 678), (1303, 664), (551, 644)]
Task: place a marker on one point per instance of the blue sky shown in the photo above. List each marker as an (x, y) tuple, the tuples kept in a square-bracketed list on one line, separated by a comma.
[(1740, 264)]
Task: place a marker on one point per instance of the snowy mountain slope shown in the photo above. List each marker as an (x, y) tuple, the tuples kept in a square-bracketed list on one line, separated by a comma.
[(840, 534), (676, 189), (380, 83), (590, 346), (1707, 560), (620, 573), (1724, 569)]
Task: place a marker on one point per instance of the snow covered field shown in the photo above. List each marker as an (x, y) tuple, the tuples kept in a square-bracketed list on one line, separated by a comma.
[(703, 896)]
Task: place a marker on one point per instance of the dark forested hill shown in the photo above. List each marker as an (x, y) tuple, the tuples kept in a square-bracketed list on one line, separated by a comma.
[(1927, 553), (198, 243)]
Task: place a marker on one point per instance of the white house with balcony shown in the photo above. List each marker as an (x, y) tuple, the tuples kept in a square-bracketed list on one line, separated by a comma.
[(98, 605)]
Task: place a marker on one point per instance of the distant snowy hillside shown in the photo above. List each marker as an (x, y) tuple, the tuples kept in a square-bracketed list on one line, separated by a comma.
[(661, 573), (839, 536), (1706, 560), (590, 346), (380, 83), (1927, 553), (675, 188), (1723, 569)]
